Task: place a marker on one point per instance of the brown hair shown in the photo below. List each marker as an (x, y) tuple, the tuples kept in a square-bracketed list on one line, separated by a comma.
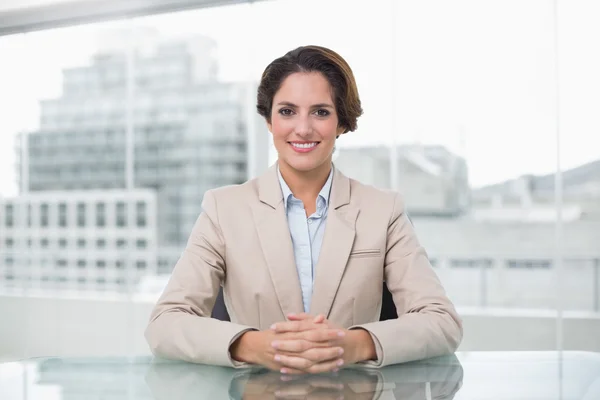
[(313, 59)]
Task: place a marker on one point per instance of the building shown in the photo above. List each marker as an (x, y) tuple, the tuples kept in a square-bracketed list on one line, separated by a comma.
[(189, 132), (433, 181), (100, 240)]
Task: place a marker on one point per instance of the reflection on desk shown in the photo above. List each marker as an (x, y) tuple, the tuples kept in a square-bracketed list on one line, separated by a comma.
[(486, 376), (438, 378)]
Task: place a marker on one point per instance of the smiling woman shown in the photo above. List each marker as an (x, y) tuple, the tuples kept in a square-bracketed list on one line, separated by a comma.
[(302, 251)]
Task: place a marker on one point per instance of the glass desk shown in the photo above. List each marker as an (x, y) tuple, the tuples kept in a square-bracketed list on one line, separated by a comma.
[(487, 375)]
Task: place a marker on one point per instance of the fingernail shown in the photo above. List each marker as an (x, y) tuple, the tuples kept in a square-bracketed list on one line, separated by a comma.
[(336, 370), (275, 344), (277, 358), (341, 333), (274, 326), (341, 351), (283, 371), (340, 363)]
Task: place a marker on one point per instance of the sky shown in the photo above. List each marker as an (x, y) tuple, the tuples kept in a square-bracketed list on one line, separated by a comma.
[(478, 76)]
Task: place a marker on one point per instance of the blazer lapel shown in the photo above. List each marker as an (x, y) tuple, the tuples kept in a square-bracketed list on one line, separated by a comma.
[(274, 235), (336, 247)]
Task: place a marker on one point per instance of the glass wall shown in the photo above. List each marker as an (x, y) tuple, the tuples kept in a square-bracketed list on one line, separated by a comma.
[(112, 132)]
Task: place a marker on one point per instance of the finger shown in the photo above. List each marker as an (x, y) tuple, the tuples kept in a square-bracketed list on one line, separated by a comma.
[(322, 352), (293, 326), (298, 317), (326, 366), (319, 319), (322, 335), (307, 365)]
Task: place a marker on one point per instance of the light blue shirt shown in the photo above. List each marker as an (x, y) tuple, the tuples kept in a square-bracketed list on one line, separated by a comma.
[(306, 233)]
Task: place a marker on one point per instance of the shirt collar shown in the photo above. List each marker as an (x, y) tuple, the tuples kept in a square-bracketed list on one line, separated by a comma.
[(287, 193)]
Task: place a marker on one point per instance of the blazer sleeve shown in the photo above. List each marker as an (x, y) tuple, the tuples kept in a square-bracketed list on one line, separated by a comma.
[(180, 326), (427, 324)]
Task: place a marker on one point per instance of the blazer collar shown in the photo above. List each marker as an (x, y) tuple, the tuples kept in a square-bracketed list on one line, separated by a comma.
[(269, 188)]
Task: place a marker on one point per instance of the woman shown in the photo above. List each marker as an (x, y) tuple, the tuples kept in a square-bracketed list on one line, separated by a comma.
[(302, 250)]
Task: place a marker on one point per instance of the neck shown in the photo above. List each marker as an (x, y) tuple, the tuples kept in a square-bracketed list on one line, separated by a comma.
[(305, 184)]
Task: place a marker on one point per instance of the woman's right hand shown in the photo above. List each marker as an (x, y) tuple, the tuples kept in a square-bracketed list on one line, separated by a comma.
[(316, 350)]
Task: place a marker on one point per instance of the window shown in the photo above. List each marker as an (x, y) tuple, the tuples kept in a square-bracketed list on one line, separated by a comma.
[(81, 263), (81, 280), (44, 215), (61, 263), (101, 281), (9, 219), (121, 243), (140, 264), (81, 243), (471, 263), (101, 243), (121, 214), (9, 242), (529, 264), (44, 243), (81, 215), (29, 213), (100, 217), (119, 264), (140, 214), (62, 243), (141, 243), (101, 264), (62, 215)]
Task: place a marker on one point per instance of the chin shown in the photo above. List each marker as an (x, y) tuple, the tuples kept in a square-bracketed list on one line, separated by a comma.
[(305, 165)]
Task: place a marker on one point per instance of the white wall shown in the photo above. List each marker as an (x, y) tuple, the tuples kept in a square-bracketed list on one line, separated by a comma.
[(37, 326)]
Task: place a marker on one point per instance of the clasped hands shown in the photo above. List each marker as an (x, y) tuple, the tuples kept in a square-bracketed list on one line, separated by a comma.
[(304, 344)]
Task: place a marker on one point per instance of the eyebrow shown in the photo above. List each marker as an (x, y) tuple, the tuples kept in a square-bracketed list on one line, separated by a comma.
[(320, 105)]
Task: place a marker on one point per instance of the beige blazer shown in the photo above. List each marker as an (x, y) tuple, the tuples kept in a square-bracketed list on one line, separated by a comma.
[(241, 241)]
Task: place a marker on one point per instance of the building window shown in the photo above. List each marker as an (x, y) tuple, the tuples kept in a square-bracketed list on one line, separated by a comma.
[(44, 215), (29, 213), (101, 264), (100, 217), (62, 243), (9, 217), (140, 264), (101, 243), (119, 264), (62, 215), (121, 243), (140, 208), (61, 263), (81, 263), (9, 243), (529, 264), (81, 243), (44, 243), (121, 214), (9, 261), (141, 243), (101, 281), (81, 215), (471, 263), (81, 280)]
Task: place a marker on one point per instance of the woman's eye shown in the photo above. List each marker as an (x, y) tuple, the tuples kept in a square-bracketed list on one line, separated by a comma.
[(322, 113), (285, 111)]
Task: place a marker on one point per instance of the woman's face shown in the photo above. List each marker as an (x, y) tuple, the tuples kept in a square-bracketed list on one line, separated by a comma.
[(304, 122)]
